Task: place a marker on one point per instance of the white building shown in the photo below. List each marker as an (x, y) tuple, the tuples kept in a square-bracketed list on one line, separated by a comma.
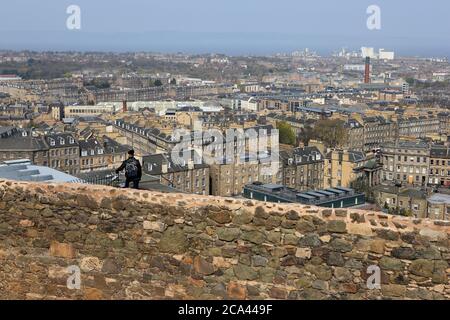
[(249, 105), (82, 111), (382, 54), (368, 52), (386, 55), (354, 67)]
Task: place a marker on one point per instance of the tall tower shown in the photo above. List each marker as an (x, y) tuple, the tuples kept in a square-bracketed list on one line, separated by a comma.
[(367, 71)]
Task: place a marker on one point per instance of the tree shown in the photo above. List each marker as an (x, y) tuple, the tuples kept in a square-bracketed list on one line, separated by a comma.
[(361, 185), (286, 133), (173, 81), (306, 134), (158, 83), (332, 132)]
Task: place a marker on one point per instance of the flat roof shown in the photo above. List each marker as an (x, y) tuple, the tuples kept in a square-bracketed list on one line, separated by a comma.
[(336, 191), (303, 195), (344, 189), (439, 198), (272, 186), (326, 193), (315, 194)]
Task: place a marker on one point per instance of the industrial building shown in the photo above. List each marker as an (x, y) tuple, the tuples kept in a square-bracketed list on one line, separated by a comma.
[(338, 197)]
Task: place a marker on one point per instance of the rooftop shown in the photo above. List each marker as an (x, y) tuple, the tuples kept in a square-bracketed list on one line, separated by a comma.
[(23, 170), (438, 198)]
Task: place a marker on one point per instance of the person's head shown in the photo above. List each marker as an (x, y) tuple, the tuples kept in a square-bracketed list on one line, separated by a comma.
[(131, 154)]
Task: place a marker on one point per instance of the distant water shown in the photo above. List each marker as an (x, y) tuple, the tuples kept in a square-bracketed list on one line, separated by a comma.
[(227, 43)]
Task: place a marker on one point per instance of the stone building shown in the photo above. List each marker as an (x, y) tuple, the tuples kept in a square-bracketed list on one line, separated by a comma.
[(405, 162), (444, 118), (355, 130), (64, 152), (229, 179), (408, 201), (439, 166), (418, 127), (92, 156), (144, 140), (341, 167), (115, 152), (439, 207), (184, 177), (20, 144), (303, 168), (377, 130), (101, 154)]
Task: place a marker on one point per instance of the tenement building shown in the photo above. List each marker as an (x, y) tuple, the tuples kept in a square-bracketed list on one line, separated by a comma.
[(186, 177), (230, 177), (406, 162), (64, 152), (303, 168), (19, 144), (377, 130), (418, 127), (439, 166), (342, 167), (101, 154)]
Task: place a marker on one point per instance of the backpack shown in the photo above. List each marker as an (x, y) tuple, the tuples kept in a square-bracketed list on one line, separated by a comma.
[(131, 169)]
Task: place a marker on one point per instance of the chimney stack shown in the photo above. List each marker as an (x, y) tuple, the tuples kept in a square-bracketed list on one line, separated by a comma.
[(124, 106)]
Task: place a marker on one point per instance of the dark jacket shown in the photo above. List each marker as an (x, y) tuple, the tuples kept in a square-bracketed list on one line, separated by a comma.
[(124, 165)]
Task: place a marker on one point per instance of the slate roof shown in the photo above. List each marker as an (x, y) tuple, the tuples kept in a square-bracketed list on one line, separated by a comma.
[(152, 164), (306, 155), (440, 152), (62, 140)]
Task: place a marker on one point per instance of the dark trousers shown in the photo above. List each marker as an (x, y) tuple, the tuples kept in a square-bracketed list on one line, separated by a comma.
[(134, 181)]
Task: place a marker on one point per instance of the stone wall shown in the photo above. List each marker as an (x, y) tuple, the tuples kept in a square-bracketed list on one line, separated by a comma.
[(142, 245)]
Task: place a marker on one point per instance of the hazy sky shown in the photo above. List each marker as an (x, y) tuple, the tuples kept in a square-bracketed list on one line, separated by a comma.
[(232, 26)]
